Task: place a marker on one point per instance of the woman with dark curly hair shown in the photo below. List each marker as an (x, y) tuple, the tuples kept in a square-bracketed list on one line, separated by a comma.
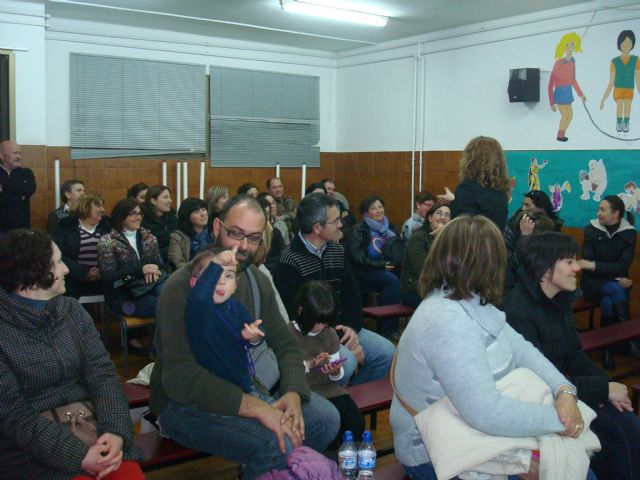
[(131, 267), (192, 234), (484, 182), (138, 192), (159, 218), (51, 358), (248, 189)]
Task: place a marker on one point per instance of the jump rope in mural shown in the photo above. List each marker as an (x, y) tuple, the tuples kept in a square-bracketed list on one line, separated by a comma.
[(624, 71), (594, 173)]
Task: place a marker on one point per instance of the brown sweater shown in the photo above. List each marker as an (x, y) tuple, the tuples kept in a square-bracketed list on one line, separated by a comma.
[(177, 376), (312, 346)]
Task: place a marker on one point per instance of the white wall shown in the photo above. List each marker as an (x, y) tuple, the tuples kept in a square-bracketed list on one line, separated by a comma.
[(466, 86), (67, 36), (22, 29)]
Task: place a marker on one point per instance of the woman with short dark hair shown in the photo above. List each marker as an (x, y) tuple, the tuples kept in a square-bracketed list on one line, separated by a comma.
[(77, 236), (607, 253), (539, 308), (159, 218), (459, 345), (248, 189), (51, 358), (192, 234), (138, 192)]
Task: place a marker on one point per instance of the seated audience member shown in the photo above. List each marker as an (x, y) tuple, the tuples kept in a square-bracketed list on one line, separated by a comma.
[(315, 309), (272, 216), (539, 308), (217, 196), (419, 244), (314, 254), (365, 246), (17, 184), (192, 234), (285, 206), (159, 218), (138, 192), (39, 326), (70, 192), (459, 345), (273, 241), (78, 236), (131, 267), (484, 182), (315, 188), (607, 253), (202, 411), (539, 199), (248, 189), (348, 220), (423, 203)]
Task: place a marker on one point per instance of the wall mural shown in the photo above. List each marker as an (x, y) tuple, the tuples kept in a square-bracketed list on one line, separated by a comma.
[(576, 180)]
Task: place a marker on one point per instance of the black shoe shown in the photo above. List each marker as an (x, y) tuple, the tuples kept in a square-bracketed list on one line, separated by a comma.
[(607, 360), (562, 139)]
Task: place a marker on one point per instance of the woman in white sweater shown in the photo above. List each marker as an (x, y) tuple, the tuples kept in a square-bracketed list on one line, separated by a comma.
[(458, 345)]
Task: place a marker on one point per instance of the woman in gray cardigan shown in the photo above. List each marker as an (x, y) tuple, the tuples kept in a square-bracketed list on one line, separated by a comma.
[(458, 345), (51, 356)]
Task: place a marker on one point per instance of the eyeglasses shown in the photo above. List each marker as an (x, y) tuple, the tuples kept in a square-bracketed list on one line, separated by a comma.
[(440, 213), (135, 214), (332, 222), (252, 238)]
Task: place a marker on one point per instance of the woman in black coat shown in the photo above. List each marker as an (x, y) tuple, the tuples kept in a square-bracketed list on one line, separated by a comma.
[(609, 246), (159, 218), (77, 236), (539, 308)]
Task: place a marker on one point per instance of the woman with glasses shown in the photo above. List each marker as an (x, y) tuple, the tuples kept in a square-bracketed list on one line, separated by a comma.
[(130, 266), (77, 236), (417, 249), (159, 218), (192, 234)]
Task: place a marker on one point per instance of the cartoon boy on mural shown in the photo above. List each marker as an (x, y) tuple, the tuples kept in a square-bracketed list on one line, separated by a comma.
[(623, 71), (534, 173), (563, 80)]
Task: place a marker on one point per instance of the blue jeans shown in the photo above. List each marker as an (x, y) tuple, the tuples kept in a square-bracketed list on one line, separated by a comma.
[(427, 472), (619, 435), (378, 353), (387, 283), (611, 293), (246, 440)]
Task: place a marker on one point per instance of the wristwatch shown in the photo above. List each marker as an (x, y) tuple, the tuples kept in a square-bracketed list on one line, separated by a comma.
[(570, 391)]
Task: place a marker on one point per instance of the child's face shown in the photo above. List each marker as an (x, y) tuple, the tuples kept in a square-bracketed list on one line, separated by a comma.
[(318, 327), (226, 286)]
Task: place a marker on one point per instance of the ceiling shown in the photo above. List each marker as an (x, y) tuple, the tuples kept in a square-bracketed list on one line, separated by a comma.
[(265, 22)]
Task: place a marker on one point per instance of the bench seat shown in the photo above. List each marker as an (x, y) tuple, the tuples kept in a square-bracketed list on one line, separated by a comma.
[(384, 312), (610, 335)]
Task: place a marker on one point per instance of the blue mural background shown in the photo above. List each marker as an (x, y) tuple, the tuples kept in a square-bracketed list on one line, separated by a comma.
[(592, 173)]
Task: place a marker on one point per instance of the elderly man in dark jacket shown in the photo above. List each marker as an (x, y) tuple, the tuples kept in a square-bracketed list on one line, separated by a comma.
[(17, 184)]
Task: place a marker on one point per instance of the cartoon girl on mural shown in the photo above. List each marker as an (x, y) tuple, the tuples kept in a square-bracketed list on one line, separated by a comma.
[(623, 70), (563, 80)]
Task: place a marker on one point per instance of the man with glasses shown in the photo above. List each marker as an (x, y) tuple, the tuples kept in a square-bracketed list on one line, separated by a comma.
[(314, 254), (206, 413)]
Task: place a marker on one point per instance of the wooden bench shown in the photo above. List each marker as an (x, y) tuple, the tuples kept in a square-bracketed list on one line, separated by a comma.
[(372, 397), (604, 337), (583, 305), (385, 312)]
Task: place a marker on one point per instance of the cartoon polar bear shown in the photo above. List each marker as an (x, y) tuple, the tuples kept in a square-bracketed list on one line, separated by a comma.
[(594, 181)]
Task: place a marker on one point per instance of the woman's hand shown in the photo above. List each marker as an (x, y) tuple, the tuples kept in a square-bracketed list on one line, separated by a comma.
[(569, 415), (619, 397), (526, 225), (90, 462), (625, 282), (448, 196), (151, 272), (112, 459), (587, 264)]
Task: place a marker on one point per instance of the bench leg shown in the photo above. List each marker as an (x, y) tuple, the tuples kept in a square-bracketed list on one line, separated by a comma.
[(591, 319), (373, 420), (125, 346)]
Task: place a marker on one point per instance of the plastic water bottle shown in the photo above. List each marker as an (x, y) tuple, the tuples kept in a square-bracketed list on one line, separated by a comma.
[(347, 456), (366, 457)]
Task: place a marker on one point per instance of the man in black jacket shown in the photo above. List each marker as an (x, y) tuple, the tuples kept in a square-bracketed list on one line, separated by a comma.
[(539, 308), (17, 184), (314, 254)]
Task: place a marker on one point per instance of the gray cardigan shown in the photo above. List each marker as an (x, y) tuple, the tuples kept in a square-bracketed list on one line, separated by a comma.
[(459, 349)]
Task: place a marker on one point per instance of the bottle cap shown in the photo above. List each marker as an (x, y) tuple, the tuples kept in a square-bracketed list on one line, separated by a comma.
[(366, 436), (347, 436)]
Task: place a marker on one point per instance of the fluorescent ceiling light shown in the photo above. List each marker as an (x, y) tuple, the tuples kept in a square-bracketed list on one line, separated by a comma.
[(310, 7)]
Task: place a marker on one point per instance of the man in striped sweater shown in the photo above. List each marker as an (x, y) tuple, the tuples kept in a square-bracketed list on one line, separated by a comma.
[(315, 254)]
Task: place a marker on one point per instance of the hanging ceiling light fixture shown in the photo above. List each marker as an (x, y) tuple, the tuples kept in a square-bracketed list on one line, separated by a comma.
[(328, 9)]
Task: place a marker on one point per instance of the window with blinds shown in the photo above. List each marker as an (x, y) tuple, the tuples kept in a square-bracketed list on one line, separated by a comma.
[(128, 107), (260, 118)]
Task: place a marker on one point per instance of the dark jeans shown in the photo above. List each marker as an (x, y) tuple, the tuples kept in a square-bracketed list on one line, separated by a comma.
[(619, 435), (350, 417), (387, 283), (246, 440), (612, 292), (144, 307)]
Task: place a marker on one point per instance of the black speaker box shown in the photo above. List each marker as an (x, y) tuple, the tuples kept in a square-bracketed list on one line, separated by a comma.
[(524, 85)]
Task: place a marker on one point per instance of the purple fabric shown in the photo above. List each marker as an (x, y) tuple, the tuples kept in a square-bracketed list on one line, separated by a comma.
[(306, 464)]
